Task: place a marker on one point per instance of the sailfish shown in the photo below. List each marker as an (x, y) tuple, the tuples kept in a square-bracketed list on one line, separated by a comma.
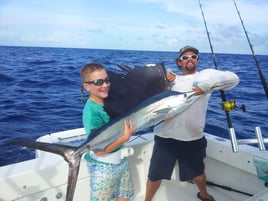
[(139, 94)]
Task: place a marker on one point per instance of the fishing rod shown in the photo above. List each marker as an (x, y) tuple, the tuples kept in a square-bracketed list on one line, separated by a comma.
[(209, 183), (227, 106), (223, 97), (254, 56)]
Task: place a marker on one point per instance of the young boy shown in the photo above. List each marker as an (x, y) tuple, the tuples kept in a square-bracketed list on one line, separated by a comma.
[(108, 179)]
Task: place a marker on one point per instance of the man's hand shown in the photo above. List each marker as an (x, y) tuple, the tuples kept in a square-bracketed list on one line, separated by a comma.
[(198, 91), (170, 76)]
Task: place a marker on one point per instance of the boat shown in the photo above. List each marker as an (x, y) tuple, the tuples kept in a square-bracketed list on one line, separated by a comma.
[(233, 175)]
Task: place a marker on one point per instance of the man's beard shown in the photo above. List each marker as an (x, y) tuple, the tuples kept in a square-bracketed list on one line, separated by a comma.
[(190, 69)]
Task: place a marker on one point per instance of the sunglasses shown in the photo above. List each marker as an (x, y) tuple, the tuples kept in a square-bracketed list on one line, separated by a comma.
[(99, 82), (186, 57)]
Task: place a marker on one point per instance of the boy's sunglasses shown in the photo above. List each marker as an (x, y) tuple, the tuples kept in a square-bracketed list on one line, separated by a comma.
[(186, 57), (99, 82)]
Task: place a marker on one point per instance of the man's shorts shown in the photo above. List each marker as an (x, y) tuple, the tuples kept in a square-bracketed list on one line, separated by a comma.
[(190, 155)]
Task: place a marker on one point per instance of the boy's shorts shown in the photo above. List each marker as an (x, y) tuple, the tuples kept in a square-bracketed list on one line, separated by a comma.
[(190, 155), (108, 181)]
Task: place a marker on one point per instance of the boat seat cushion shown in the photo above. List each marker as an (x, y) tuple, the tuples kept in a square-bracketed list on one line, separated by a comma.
[(261, 168)]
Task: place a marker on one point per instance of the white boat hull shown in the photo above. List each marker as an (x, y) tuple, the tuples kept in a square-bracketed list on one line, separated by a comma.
[(45, 178)]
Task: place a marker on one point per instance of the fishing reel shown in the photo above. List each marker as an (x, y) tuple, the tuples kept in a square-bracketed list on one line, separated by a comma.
[(231, 105)]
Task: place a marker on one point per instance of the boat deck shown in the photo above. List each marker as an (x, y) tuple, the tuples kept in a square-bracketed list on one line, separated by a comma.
[(174, 191), (48, 173)]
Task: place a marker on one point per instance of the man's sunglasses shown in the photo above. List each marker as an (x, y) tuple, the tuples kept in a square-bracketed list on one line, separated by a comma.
[(186, 57), (99, 82)]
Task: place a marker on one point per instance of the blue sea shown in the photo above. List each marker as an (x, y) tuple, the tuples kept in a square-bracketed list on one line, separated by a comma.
[(40, 91)]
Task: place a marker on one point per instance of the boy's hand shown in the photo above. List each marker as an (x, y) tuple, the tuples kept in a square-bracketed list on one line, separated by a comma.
[(128, 130)]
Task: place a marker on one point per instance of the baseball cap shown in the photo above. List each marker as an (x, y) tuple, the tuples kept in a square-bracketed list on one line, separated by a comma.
[(187, 48)]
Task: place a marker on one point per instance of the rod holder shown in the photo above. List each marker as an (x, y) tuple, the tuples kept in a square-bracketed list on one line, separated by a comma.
[(233, 140), (258, 140)]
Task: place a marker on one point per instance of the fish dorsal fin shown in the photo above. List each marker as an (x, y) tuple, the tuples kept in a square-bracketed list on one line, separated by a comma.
[(132, 85)]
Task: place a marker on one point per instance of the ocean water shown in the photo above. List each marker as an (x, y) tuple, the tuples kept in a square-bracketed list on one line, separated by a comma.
[(40, 91)]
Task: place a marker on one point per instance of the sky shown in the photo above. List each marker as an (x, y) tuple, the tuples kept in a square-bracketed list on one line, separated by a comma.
[(158, 25)]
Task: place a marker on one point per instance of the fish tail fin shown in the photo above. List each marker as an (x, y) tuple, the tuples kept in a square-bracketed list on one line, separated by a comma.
[(72, 179), (44, 146), (69, 154)]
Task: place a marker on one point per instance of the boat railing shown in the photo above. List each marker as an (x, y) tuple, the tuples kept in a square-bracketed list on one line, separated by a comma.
[(258, 140)]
